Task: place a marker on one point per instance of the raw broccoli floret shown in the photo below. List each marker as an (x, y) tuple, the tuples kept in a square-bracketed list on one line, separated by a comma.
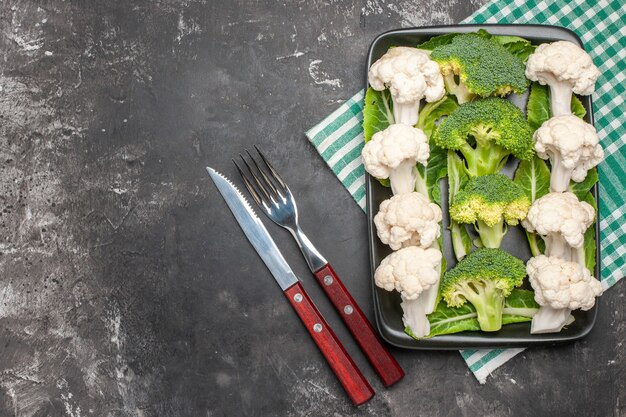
[(486, 132), (490, 203), (474, 66), (484, 278)]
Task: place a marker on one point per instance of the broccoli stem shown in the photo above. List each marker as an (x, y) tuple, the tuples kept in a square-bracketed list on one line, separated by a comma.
[(491, 236), (487, 158), (533, 243), (559, 175), (549, 320), (420, 185), (425, 112), (403, 177), (461, 242), (406, 113), (414, 316), (459, 90), (488, 301)]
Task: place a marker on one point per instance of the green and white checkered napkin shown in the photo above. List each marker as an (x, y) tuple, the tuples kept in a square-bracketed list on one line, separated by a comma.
[(602, 27)]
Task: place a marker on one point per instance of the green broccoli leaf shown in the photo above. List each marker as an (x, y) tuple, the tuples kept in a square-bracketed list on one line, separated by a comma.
[(377, 116), (581, 189), (436, 41), (521, 303), (520, 47), (431, 113), (577, 107), (506, 40), (538, 107), (589, 246), (536, 244), (457, 177), (447, 320), (588, 198), (430, 176), (534, 177), (519, 307), (377, 112), (583, 192)]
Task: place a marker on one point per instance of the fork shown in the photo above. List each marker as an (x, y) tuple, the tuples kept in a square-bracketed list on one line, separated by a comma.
[(273, 196)]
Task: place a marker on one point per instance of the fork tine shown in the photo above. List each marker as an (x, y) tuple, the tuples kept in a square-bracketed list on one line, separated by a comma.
[(257, 198), (273, 171), (269, 182), (258, 182)]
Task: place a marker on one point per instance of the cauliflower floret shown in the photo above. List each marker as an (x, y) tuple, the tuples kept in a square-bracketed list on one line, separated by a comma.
[(572, 146), (410, 75), (392, 153), (408, 220), (414, 272), (561, 220), (560, 287), (410, 271), (565, 68)]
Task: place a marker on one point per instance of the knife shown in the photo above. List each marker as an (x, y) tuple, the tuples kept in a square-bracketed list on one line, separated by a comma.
[(350, 377)]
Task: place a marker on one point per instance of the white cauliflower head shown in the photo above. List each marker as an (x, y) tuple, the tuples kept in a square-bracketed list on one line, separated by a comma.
[(408, 220), (562, 221), (560, 284), (410, 75), (565, 68), (392, 153), (573, 147), (410, 271)]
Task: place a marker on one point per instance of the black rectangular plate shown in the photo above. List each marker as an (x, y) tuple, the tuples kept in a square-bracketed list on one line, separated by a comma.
[(387, 304)]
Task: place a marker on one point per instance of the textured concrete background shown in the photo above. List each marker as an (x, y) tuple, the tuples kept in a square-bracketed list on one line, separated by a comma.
[(127, 289)]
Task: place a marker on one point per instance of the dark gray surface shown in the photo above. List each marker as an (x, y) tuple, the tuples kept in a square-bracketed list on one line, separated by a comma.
[(126, 287)]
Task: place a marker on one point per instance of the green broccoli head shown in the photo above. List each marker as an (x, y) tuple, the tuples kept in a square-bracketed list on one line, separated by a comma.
[(483, 67), (484, 278), (490, 202), (486, 132)]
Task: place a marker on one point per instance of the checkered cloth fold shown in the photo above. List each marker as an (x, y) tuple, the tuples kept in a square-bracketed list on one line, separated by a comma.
[(602, 27)]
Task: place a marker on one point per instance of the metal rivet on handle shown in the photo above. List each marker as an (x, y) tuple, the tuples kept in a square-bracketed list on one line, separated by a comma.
[(297, 298), (328, 280), (348, 309), (317, 327)]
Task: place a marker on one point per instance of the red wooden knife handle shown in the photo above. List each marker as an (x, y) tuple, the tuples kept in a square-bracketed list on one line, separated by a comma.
[(385, 365), (355, 384)]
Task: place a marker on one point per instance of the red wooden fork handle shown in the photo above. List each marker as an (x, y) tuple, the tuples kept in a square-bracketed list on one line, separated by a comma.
[(357, 387), (385, 365)]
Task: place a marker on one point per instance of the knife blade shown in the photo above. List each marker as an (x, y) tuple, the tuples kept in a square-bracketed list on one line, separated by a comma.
[(254, 230), (349, 375)]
